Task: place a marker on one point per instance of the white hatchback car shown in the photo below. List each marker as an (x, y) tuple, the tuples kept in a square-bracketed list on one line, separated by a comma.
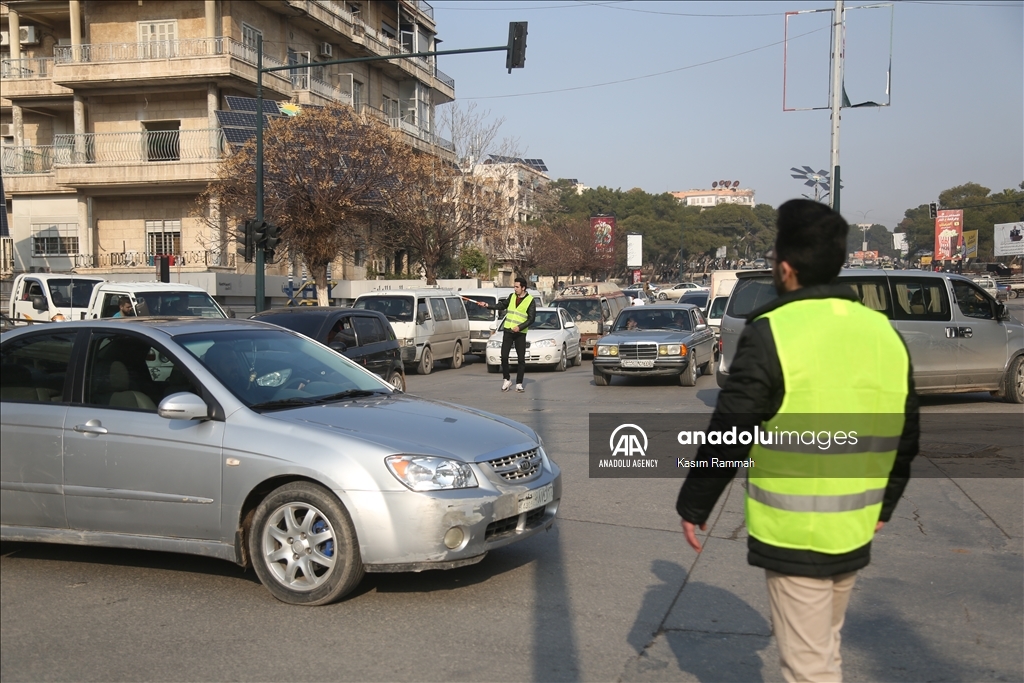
[(552, 340)]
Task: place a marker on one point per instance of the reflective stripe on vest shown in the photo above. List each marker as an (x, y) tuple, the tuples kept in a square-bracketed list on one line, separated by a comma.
[(517, 315), (845, 372)]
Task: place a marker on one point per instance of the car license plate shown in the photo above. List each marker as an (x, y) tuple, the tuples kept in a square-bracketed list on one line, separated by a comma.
[(536, 498), (633, 363)]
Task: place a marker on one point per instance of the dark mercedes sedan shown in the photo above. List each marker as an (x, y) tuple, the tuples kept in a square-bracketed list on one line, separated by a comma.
[(656, 341), (364, 336)]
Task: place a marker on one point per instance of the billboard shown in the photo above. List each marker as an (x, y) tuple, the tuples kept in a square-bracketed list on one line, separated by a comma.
[(1009, 239), (865, 255), (970, 249), (603, 230), (634, 251), (949, 228), (899, 242)]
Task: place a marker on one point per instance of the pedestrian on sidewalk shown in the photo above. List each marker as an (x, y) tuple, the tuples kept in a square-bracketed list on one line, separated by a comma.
[(521, 310), (810, 534)]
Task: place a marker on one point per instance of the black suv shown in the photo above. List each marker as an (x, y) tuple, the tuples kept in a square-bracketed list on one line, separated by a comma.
[(364, 336)]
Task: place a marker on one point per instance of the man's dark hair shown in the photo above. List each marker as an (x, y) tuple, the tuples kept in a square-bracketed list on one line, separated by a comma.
[(521, 281), (812, 239)]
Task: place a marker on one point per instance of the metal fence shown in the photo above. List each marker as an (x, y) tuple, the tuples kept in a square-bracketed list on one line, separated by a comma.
[(142, 260), (32, 67), (26, 159), (204, 144), (184, 48)]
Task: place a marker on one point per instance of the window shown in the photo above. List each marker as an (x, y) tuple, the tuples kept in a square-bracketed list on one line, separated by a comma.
[(368, 330), (455, 307), (972, 301), (54, 239), (342, 333), (35, 368), (390, 107), (388, 30), (357, 95), (124, 371), (250, 36), (156, 39), (439, 310), (163, 237), (300, 76), (873, 293), (422, 311), (923, 299)]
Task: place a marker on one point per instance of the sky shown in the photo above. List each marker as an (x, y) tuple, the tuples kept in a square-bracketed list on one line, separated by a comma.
[(669, 96)]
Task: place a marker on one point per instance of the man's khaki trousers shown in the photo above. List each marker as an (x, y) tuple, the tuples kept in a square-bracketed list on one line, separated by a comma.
[(807, 615)]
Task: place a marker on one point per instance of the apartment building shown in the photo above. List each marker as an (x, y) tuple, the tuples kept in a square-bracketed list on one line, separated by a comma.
[(728, 192), (108, 111)]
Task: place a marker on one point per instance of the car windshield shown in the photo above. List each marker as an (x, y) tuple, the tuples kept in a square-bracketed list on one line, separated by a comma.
[(273, 369), (71, 292), (395, 308), (477, 312), (582, 309), (175, 304), (698, 300), (546, 320), (657, 318)]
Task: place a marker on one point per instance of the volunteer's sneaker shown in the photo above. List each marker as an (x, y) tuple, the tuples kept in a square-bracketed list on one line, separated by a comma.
[(506, 384), (519, 388)]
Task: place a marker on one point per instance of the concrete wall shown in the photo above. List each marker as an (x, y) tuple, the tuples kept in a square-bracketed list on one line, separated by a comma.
[(41, 209)]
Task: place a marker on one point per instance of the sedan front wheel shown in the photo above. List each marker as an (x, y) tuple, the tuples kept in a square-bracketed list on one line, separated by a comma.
[(303, 545)]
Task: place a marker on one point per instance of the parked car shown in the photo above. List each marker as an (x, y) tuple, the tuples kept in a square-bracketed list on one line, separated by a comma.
[(552, 340), (364, 336), (677, 290), (50, 296), (260, 447), (482, 320), (672, 339), (960, 339), (165, 299)]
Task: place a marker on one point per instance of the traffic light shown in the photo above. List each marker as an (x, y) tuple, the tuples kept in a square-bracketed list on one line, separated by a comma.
[(515, 56), (272, 236), (248, 243), (259, 233), (933, 210)]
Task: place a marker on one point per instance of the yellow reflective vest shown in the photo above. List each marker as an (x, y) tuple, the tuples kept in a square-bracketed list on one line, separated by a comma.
[(822, 462), (517, 315)]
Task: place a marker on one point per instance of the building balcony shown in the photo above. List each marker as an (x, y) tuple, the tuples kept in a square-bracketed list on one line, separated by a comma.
[(28, 169), (131, 261), (33, 77), (312, 90), (139, 159), (163, 62)]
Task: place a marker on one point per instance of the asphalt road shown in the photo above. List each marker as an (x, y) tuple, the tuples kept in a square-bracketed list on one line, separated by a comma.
[(611, 593)]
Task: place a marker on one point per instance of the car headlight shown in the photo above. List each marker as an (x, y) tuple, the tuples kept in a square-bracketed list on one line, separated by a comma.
[(543, 343), (430, 473), (608, 350), (409, 341), (494, 344), (672, 349)]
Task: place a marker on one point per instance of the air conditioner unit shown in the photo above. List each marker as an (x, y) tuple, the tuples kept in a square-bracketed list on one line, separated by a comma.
[(29, 35), (326, 50), (7, 130)]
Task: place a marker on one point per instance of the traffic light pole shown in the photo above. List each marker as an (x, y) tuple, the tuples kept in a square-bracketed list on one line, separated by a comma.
[(516, 57)]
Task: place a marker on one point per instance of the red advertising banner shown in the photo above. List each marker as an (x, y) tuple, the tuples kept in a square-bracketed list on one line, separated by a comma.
[(949, 230), (603, 230), (866, 255)]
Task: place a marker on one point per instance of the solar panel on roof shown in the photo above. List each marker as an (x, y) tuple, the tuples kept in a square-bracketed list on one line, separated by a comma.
[(236, 103), (238, 136), (236, 119)]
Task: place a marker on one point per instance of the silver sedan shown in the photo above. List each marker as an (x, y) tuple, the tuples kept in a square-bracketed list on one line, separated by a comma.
[(552, 340), (257, 446)]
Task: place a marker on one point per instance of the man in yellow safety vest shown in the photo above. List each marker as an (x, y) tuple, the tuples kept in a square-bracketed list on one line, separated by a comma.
[(521, 310), (821, 392)]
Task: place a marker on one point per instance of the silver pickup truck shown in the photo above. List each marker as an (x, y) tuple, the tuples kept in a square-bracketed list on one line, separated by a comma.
[(960, 338)]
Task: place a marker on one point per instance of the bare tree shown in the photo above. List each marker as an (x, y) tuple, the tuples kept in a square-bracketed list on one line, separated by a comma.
[(440, 207), (326, 175)]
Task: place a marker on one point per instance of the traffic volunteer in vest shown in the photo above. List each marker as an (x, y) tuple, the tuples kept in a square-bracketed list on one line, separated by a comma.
[(817, 363), (521, 310)]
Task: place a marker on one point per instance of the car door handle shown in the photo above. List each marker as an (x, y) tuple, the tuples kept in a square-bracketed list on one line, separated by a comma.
[(951, 332), (965, 332), (91, 427)]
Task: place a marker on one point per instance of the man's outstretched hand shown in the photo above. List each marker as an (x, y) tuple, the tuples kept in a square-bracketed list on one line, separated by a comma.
[(689, 530)]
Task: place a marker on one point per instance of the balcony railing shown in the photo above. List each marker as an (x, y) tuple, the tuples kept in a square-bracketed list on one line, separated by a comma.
[(141, 147), (331, 92), (185, 48), (26, 159), (444, 78), (33, 67)]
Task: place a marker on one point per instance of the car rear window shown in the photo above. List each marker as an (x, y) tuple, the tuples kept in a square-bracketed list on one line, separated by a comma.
[(368, 330), (394, 308), (872, 292), (477, 312), (303, 323), (750, 294)]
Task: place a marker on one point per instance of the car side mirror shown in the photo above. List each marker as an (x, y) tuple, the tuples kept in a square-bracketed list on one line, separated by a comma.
[(339, 346), (420, 318), (39, 303), (230, 312), (701, 326), (183, 406), (1001, 312), (569, 324)]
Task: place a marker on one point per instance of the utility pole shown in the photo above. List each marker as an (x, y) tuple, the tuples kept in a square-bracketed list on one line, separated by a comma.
[(838, 38)]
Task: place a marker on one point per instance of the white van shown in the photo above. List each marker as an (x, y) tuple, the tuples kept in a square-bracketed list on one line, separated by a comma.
[(51, 296), (483, 321), (171, 299), (429, 324)]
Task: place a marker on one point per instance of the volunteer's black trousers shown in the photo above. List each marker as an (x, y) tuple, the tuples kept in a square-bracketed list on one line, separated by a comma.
[(508, 338)]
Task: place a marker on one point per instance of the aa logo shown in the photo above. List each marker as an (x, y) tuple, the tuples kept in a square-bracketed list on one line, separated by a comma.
[(628, 440)]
